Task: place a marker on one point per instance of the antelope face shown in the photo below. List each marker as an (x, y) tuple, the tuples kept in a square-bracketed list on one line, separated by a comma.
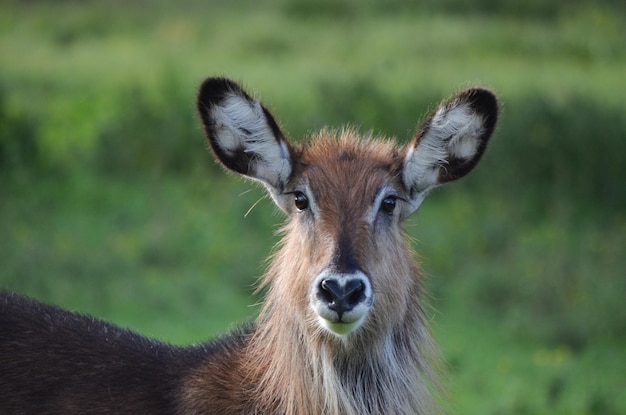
[(344, 253), (344, 207)]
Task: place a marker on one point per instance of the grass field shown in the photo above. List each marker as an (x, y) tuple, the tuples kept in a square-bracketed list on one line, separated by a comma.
[(111, 205)]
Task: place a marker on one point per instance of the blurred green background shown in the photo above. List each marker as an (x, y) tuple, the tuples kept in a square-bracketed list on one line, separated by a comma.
[(110, 203)]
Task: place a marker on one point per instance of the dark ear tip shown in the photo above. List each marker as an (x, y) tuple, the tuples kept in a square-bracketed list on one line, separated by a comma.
[(484, 102), (214, 89)]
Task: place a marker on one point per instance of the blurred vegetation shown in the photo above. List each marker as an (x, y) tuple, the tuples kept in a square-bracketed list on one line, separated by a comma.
[(110, 203)]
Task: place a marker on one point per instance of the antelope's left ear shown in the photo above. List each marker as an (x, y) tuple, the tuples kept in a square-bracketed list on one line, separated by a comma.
[(449, 143)]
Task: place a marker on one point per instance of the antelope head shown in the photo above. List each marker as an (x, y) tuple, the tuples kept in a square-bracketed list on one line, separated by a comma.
[(344, 266)]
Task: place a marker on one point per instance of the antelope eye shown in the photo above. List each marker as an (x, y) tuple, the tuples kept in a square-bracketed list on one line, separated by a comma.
[(301, 201), (388, 204)]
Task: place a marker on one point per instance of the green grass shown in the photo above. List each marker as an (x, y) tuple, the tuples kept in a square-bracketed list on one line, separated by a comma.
[(491, 372), (110, 204)]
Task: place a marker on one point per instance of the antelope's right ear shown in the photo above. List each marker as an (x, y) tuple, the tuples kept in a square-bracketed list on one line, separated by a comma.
[(243, 134)]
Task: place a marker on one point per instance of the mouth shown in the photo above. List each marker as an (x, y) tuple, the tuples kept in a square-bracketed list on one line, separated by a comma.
[(341, 327)]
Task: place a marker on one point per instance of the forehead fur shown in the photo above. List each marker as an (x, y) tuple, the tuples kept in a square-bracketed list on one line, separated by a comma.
[(343, 163), (328, 147)]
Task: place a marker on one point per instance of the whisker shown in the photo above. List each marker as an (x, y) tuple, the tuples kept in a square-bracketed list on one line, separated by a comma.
[(253, 206)]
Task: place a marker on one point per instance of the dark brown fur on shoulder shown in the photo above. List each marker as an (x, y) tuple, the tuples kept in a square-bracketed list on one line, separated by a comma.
[(56, 362)]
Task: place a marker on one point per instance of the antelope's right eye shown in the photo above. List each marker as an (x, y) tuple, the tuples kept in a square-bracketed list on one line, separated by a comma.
[(301, 201)]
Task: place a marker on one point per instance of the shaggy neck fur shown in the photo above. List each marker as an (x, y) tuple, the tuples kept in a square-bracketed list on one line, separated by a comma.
[(305, 370)]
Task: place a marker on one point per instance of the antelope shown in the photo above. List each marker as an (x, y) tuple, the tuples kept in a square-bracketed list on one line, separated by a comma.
[(342, 329)]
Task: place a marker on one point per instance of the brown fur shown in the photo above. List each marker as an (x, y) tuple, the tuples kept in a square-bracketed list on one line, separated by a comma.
[(295, 367)]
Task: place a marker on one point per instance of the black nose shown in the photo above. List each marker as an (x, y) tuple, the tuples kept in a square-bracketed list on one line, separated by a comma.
[(341, 297)]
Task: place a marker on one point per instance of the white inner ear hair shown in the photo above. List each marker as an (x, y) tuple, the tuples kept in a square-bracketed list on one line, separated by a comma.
[(461, 127), (453, 132), (242, 124)]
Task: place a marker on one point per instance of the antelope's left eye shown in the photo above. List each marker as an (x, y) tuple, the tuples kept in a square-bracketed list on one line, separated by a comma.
[(388, 204)]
